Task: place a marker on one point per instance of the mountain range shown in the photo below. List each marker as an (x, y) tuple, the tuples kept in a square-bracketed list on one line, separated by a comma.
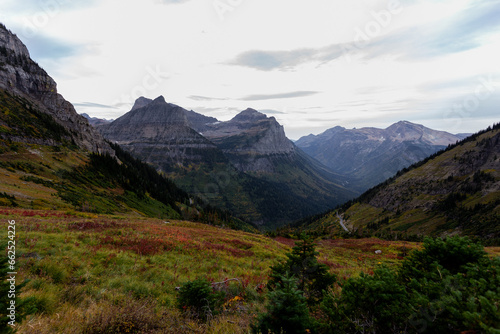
[(454, 191), (52, 158), (368, 156), (95, 121), (246, 165)]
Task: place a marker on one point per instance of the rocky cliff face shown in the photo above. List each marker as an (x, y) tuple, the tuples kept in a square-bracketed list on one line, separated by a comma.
[(252, 141), (159, 133), (368, 156), (196, 121), (141, 102), (20, 75), (246, 165)]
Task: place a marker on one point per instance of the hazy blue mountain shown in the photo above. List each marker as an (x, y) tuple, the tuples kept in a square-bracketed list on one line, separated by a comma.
[(368, 156)]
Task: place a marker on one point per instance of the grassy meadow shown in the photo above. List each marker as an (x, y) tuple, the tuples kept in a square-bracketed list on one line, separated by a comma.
[(88, 271)]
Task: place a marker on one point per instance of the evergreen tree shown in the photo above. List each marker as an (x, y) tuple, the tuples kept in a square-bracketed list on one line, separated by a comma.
[(369, 304), (313, 277), (449, 286), (287, 311), (199, 298)]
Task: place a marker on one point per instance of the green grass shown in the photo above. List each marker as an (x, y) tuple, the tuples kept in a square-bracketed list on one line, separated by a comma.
[(83, 268)]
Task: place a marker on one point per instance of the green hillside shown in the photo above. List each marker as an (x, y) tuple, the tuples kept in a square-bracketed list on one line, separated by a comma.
[(41, 168)]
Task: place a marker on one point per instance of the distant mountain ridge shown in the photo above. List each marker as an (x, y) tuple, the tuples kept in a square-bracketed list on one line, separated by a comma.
[(368, 156), (95, 121)]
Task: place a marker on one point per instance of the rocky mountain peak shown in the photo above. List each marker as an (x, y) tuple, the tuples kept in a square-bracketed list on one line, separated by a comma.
[(160, 133), (407, 131), (157, 112), (159, 100), (250, 139), (333, 131), (141, 102), (248, 115)]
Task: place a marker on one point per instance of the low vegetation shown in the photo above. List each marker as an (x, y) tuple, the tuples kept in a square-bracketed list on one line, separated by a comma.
[(107, 273)]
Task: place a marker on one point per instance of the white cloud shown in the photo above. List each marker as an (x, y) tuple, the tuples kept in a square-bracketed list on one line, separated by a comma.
[(282, 56)]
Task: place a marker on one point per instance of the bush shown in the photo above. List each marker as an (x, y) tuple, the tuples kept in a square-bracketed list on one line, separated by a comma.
[(287, 311), (370, 304), (449, 286), (451, 254), (199, 299), (466, 301)]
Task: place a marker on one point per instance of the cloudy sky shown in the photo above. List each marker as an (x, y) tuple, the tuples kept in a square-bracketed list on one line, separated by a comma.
[(311, 64)]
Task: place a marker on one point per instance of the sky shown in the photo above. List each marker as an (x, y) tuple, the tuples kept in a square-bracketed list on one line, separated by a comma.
[(312, 65)]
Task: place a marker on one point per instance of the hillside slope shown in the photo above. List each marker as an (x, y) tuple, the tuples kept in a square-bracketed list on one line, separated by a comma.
[(456, 191)]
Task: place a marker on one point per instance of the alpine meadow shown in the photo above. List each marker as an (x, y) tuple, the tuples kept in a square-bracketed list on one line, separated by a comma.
[(247, 167)]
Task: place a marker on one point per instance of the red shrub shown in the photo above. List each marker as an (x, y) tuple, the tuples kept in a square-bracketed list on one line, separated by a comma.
[(285, 241), (239, 244), (330, 264), (141, 246), (233, 251), (92, 225)]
